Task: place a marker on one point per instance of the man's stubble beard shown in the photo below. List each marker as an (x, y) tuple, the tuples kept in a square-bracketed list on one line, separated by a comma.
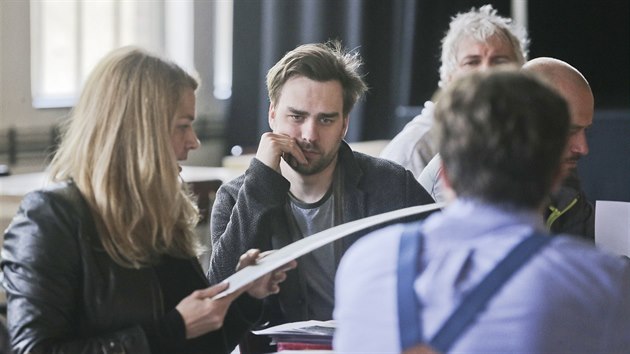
[(317, 166)]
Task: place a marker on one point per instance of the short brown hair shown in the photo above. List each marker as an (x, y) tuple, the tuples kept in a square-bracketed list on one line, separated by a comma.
[(320, 62), (501, 136)]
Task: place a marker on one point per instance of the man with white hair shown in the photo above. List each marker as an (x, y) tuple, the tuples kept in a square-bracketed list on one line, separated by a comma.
[(476, 40)]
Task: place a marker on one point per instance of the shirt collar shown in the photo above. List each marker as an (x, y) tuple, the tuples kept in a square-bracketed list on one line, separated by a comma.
[(470, 217)]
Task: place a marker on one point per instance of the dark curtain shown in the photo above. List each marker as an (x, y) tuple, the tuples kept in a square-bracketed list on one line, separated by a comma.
[(399, 41), (593, 36)]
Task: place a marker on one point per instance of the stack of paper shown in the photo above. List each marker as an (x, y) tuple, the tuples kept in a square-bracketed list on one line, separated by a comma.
[(305, 335)]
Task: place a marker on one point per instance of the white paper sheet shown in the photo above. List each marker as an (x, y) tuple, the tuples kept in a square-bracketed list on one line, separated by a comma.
[(612, 227), (310, 243), (300, 327)]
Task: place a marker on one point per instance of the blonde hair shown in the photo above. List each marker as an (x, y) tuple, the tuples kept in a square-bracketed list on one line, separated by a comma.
[(116, 147)]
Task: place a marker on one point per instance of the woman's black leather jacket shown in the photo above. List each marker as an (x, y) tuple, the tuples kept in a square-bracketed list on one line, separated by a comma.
[(67, 295)]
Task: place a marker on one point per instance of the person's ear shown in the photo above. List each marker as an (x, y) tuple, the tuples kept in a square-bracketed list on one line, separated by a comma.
[(346, 123), (443, 174), (448, 192), (271, 117)]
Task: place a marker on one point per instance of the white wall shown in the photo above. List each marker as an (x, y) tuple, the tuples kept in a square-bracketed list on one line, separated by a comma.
[(1, 51), (15, 75)]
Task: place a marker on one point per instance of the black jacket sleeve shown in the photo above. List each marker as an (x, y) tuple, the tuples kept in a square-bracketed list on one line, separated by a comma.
[(42, 278)]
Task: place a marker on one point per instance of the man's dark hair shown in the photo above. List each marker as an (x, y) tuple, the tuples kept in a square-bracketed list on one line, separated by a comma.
[(501, 136), (320, 62)]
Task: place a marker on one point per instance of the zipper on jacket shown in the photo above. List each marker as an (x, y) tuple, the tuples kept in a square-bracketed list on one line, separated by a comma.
[(556, 213)]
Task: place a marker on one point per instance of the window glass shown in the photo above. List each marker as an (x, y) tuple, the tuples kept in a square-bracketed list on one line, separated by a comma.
[(69, 37)]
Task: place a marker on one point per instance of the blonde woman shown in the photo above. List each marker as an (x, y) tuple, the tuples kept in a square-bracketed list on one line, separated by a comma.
[(103, 261)]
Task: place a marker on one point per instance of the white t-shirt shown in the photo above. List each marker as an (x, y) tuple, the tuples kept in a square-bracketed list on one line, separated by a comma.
[(413, 147)]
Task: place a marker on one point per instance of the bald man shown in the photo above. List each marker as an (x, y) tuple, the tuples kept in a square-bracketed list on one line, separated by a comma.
[(572, 85), (569, 211)]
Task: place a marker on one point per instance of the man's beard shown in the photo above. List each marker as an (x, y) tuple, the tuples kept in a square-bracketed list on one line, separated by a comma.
[(572, 160), (317, 166), (569, 165)]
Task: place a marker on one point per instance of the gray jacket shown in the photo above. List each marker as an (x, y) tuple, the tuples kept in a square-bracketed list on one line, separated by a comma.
[(249, 213)]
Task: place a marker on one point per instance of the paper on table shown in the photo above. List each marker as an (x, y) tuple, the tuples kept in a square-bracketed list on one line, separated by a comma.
[(301, 327), (309, 351), (310, 243), (612, 226)]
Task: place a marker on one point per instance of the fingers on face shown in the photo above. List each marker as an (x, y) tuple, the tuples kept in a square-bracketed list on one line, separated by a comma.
[(287, 145)]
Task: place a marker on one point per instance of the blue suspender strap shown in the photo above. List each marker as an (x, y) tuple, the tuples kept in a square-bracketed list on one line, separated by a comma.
[(409, 326), (478, 298)]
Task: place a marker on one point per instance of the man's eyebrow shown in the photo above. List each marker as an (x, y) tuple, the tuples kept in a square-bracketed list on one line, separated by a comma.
[(297, 111), (328, 115), (573, 125), (507, 56), (474, 56), (320, 115), (469, 57)]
